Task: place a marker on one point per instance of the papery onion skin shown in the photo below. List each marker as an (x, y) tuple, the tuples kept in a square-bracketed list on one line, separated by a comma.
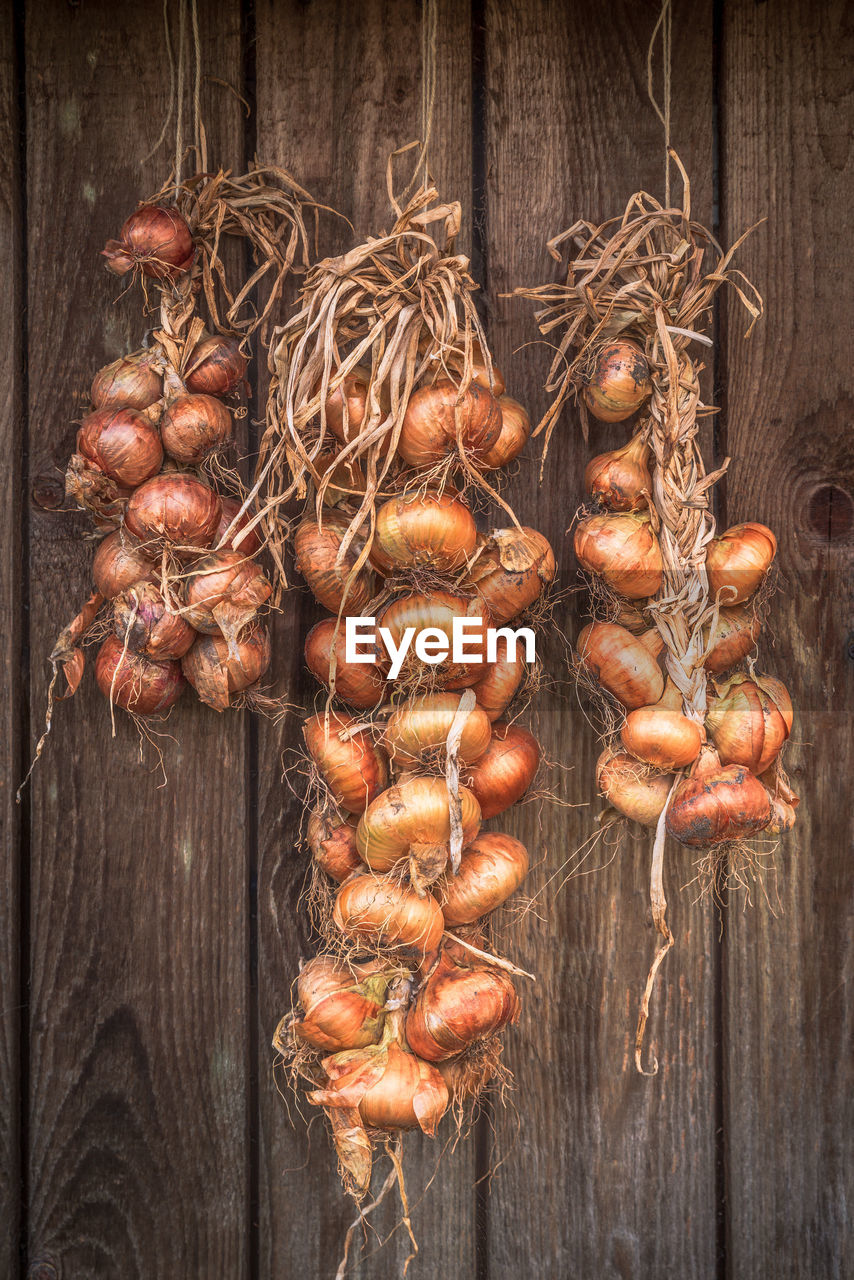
[(717, 803), (195, 426), (621, 663), (383, 910), (316, 549), (479, 373), (511, 575), (457, 1004), (506, 770), (354, 770), (395, 1089), (155, 239), (176, 509), (620, 382), (735, 633), (216, 366), (132, 382), (749, 721), (143, 619), (333, 846), (414, 812), (120, 563), (623, 550), (248, 545), (436, 530), (360, 684), (512, 438), (216, 671), (467, 1074), (429, 430), (342, 1007), (122, 443), (421, 724), (491, 869), (620, 480), (661, 737), (631, 787), (134, 682), (738, 560), (438, 609), (499, 684), (225, 581)]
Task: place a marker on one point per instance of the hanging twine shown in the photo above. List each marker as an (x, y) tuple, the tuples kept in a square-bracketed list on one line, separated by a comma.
[(429, 47), (664, 25)]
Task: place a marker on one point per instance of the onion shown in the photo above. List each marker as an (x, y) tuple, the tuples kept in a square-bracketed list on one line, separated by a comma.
[(333, 846), (480, 374), (216, 366), (633, 788), (512, 573), (349, 763), (732, 637), (439, 416), (460, 1001), (491, 869), (122, 443), (316, 550), (717, 803), (386, 912), (422, 724), (342, 1008), (412, 820), (155, 239), (224, 592), (216, 668), (194, 427), (347, 477), (143, 619), (346, 406), (620, 382), (425, 529), (661, 734), (248, 545), (622, 663), (738, 560), (783, 817), (506, 769), (623, 551), (620, 480), (120, 563), (467, 1074), (135, 682), (499, 684), (175, 509), (360, 684), (514, 435), (749, 720), (131, 382), (436, 610)]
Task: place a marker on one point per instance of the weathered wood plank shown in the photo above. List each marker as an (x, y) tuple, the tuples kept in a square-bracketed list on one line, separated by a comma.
[(351, 95), (12, 669), (786, 154), (138, 1162), (606, 1174)]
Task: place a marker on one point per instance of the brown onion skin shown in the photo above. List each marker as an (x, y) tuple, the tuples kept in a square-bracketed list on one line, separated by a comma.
[(514, 435), (157, 240), (333, 846), (717, 803), (631, 787), (491, 869), (623, 550), (620, 382), (511, 576), (425, 529), (131, 382), (504, 772), (215, 672), (194, 427), (316, 549), (120, 563), (738, 560), (621, 663), (421, 724), (413, 812), (174, 508), (749, 721), (395, 1089), (735, 635), (352, 394), (620, 480), (250, 544), (355, 771), (141, 685), (122, 443), (499, 685), (216, 366), (438, 609), (429, 430), (342, 1008), (383, 909), (457, 1004), (360, 684), (228, 580), (662, 737), (479, 374), (143, 619)]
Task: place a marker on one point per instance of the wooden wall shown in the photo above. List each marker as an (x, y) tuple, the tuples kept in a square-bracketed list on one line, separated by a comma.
[(148, 934)]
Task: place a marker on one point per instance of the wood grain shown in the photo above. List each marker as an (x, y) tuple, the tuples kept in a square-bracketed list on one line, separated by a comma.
[(12, 669), (787, 154), (138, 1158), (356, 97), (616, 1173)]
